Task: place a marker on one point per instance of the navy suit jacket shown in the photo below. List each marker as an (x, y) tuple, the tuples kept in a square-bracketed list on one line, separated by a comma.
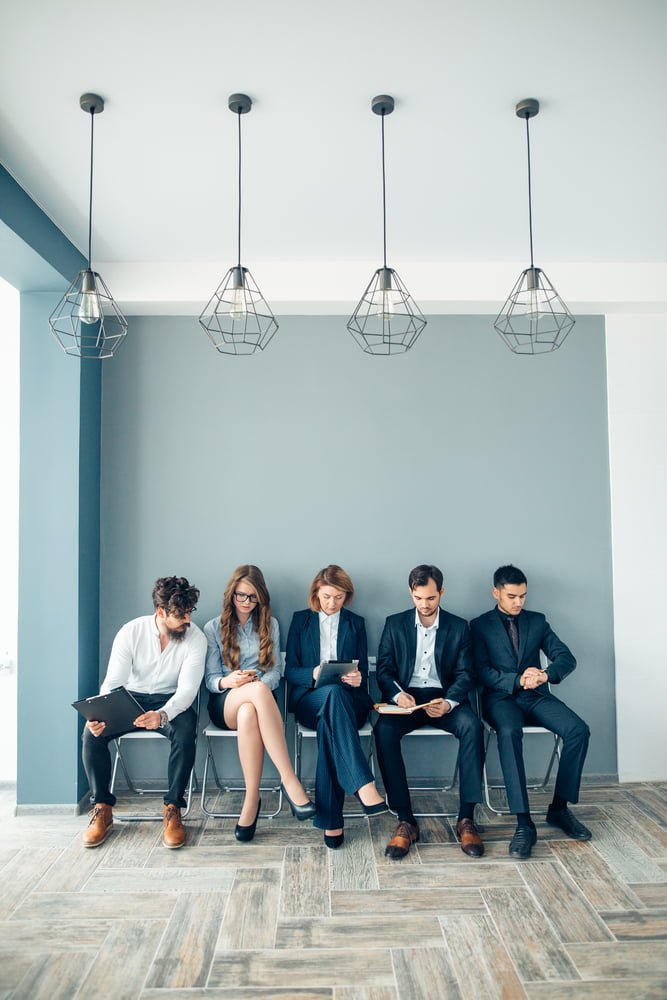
[(303, 651), (498, 668), (398, 649)]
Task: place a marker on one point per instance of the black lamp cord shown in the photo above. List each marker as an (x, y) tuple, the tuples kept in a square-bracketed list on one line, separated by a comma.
[(384, 201), (530, 194), (239, 218), (90, 200)]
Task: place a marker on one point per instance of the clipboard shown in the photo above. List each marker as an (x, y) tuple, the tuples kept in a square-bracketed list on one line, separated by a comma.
[(331, 671), (117, 709)]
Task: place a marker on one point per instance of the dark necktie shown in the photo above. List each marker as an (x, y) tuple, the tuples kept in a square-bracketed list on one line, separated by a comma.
[(514, 635)]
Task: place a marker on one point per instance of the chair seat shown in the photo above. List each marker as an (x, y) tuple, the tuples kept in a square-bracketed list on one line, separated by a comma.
[(302, 732), (536, 787), (149, 734), (428, 732), (211, 734)]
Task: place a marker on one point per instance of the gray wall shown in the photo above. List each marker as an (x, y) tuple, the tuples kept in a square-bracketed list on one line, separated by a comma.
[(458, 453)]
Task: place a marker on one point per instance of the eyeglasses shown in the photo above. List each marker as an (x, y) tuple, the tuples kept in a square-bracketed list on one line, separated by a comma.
[(245, 598), (179, 615)]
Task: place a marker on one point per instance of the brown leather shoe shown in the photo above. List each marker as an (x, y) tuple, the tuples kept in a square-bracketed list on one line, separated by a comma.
[(405, 835), (174, 831), (100, 826), (471, 842)]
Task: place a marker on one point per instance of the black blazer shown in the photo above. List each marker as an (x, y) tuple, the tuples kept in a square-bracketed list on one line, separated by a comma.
[(398, 649), (498, 668), (303, 652)]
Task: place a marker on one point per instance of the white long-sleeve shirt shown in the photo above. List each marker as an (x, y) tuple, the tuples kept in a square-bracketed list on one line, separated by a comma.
[(137, 662)]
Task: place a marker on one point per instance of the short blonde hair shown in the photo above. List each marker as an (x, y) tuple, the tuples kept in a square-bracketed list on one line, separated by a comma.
[(330, 576)]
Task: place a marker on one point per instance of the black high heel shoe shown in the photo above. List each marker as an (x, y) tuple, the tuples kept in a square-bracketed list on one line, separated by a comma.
[(246, 833), (333, 841), (379, 807), (306, 811)]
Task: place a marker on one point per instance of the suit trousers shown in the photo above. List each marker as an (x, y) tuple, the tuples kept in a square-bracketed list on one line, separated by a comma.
[(530, 708), (342, 767), (181, 731), (461, 722)]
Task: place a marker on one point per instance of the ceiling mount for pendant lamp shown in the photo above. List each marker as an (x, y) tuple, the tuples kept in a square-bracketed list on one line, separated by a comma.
[(387, 320), (237, 319), (534, 319), (87, 323)]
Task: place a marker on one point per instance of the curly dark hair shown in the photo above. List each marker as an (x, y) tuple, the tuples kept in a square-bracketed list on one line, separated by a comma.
[(174, 593)]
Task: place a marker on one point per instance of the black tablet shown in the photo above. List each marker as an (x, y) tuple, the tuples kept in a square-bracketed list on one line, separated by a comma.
[(331, 671)]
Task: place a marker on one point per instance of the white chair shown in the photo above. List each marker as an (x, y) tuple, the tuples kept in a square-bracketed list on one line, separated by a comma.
[(539, 786), (120, 760), (212, 736), (428, 732), (302, 733)]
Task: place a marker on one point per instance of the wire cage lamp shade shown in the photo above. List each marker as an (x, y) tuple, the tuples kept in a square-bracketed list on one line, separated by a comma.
[(386, 320), (237, 319), (87, 322), (534, 319)]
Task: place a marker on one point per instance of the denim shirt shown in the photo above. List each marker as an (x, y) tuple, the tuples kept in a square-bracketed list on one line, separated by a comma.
[(248, 641)]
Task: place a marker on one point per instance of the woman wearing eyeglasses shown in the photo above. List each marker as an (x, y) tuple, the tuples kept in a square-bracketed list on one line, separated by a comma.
[(243, 669), (328, 631)]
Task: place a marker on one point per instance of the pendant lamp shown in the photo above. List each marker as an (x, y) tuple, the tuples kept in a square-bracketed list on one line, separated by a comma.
[(237, 319), (87, 323), (387, 320), (534, 319)]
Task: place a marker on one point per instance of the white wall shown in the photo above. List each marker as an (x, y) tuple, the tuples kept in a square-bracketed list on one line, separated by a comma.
[(636, 373)]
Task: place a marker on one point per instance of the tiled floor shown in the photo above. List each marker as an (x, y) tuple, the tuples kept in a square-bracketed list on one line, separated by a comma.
[(284, 917)]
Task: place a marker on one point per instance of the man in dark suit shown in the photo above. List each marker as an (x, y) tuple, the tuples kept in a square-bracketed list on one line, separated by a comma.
[(425, 656), (506, 648)]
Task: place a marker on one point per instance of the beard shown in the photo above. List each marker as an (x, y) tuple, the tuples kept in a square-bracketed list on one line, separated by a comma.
[(178, 635)]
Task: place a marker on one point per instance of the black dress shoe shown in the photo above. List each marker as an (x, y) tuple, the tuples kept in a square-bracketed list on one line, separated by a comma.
[(333, 841), (375, 810), (521, 844), (568, 823), (245, 833), (306, 811)]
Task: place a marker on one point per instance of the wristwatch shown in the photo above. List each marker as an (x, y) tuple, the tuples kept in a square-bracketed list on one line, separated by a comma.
[(164, 718)]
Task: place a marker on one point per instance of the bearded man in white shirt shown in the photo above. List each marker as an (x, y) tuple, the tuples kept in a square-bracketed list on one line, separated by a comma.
[(159, 658)]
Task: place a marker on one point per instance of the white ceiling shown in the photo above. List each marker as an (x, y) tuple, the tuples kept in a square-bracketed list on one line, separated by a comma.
[(165, 168)]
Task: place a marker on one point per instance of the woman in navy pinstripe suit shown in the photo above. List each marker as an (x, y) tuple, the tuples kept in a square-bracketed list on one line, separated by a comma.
[(328, 631)]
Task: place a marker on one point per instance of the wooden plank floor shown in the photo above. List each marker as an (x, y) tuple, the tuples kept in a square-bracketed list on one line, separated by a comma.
[(284, 918)]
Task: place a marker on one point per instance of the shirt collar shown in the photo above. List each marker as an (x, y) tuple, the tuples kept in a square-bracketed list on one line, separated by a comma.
[(329, 618), (505, 617)]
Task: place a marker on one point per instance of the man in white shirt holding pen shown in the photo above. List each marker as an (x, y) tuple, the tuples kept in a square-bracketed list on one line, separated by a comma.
[(424, 658), (159, 658)]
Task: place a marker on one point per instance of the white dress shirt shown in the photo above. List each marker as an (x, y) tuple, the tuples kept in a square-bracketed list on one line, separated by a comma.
[(138, 663), (328, 636)]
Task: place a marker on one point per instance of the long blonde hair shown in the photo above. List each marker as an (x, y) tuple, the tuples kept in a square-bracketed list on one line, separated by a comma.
[(261, 618)]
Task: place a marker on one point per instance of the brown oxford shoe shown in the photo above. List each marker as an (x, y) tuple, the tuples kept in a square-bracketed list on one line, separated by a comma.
[(100, 826), (405, 835), (174, 831), (471, 842)]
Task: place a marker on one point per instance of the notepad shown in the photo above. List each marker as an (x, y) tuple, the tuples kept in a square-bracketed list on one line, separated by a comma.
[(389, 708)]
